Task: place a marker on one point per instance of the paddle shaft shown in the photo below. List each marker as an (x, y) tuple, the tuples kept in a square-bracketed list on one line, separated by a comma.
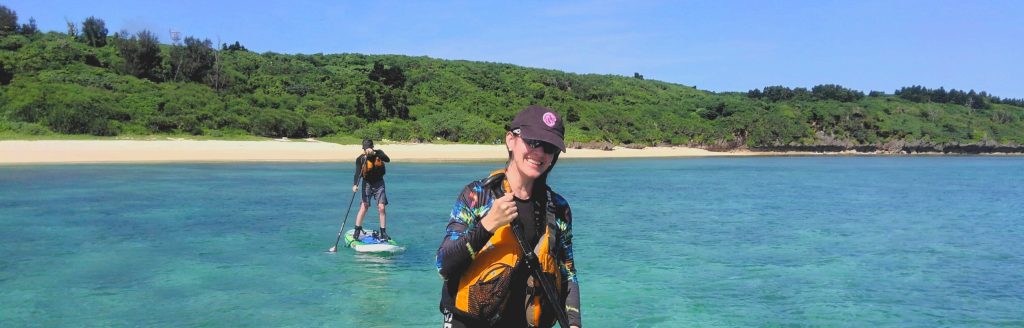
[(341, 230), (532, 263), (534, 266)]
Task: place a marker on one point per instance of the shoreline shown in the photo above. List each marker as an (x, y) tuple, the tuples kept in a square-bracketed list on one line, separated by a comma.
[(279, 150), (16, 152)]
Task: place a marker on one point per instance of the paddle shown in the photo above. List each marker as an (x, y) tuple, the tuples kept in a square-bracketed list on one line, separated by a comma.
[(534, 266), (532, 263), (347, 211)]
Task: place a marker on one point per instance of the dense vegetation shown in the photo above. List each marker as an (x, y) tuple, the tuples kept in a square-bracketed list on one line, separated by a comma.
[(87, 81)]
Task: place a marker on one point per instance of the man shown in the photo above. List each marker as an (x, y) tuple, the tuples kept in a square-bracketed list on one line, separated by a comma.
[(370, 166)]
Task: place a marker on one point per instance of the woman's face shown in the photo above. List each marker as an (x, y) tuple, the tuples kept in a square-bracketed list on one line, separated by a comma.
[(531, 162)]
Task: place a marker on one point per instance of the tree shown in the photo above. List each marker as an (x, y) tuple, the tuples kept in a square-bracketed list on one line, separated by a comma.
[(393, 102), (30, 28), (410, 98), (956, 97), (572, 115), (233, 47), (8, 21), (141, 53), (5, 75), (777, 93), (386, 98), (801, 93), (94, 32), (977, 100), (836, 92), (72, 28), (390, 76), (377, 73), (277, 123), (940, 95), (194, 60), (971, 98)]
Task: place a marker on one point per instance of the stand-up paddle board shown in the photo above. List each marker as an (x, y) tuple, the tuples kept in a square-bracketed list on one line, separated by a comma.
[(369, 243)]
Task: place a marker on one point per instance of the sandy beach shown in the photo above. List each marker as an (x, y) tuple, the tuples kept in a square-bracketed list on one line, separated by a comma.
[(157, 151)]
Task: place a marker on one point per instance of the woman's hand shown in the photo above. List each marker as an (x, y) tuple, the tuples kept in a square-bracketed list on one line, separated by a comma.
[(503, 210)]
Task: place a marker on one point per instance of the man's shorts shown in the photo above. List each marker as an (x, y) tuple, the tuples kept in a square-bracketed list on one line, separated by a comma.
[(374, 190)]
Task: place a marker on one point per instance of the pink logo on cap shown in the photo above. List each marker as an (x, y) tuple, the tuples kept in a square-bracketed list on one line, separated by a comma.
[(550, 119)]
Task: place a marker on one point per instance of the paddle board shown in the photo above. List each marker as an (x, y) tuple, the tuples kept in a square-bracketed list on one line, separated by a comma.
[(369, 243)]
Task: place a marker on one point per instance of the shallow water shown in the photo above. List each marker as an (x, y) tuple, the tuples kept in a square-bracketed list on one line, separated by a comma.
[(834, 241)]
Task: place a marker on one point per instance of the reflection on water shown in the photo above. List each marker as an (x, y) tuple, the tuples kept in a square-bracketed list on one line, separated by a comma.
[(376, 261)]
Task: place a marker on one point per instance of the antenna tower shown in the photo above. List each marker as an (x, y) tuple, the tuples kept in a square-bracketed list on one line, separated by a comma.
[(175, 38)]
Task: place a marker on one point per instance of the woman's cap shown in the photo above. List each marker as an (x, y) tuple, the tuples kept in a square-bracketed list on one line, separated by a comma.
[(367, 143), (540, 123)]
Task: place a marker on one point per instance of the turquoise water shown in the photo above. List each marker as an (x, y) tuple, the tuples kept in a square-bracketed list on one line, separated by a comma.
[(849, 241)]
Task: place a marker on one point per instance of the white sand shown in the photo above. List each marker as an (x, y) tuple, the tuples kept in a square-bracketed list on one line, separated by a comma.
[(149, 151)]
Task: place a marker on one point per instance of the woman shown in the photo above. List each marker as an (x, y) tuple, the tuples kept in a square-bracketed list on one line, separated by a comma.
[(487, 279)]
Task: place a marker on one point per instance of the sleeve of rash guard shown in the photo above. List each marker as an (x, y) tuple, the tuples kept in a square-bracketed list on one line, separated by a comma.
[(384, 157), (463, 235), (359, 169), (572, 301)]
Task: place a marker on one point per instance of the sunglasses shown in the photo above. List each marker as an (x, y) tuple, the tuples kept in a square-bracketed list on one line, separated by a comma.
[(548, 148)]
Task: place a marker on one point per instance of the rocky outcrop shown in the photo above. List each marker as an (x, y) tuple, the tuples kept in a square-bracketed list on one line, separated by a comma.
[(601, 145), (828, 144)]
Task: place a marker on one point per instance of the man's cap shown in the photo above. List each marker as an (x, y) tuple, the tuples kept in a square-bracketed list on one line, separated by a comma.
[(540, 123), (367, 143)]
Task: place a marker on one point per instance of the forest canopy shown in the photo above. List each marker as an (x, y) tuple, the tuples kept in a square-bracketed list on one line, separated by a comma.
[(89, 81)]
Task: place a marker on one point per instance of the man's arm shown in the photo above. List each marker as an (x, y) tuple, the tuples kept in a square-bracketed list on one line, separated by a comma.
[(359, 169), (384, 157)]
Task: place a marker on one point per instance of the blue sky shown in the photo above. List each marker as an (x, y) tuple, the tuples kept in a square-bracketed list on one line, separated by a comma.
[(714, 45)]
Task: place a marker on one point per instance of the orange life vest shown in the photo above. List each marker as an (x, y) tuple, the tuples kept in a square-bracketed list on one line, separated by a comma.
[(373, 170), (484, 287)]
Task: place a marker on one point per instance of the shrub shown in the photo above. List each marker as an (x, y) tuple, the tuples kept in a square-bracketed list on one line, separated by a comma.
[(278, 123), (23, 128), (79, 120), (453, 126), (389, 129), (320, 125)]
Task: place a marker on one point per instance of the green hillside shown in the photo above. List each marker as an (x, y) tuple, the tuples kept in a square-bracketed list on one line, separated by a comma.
[(90, 82)]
